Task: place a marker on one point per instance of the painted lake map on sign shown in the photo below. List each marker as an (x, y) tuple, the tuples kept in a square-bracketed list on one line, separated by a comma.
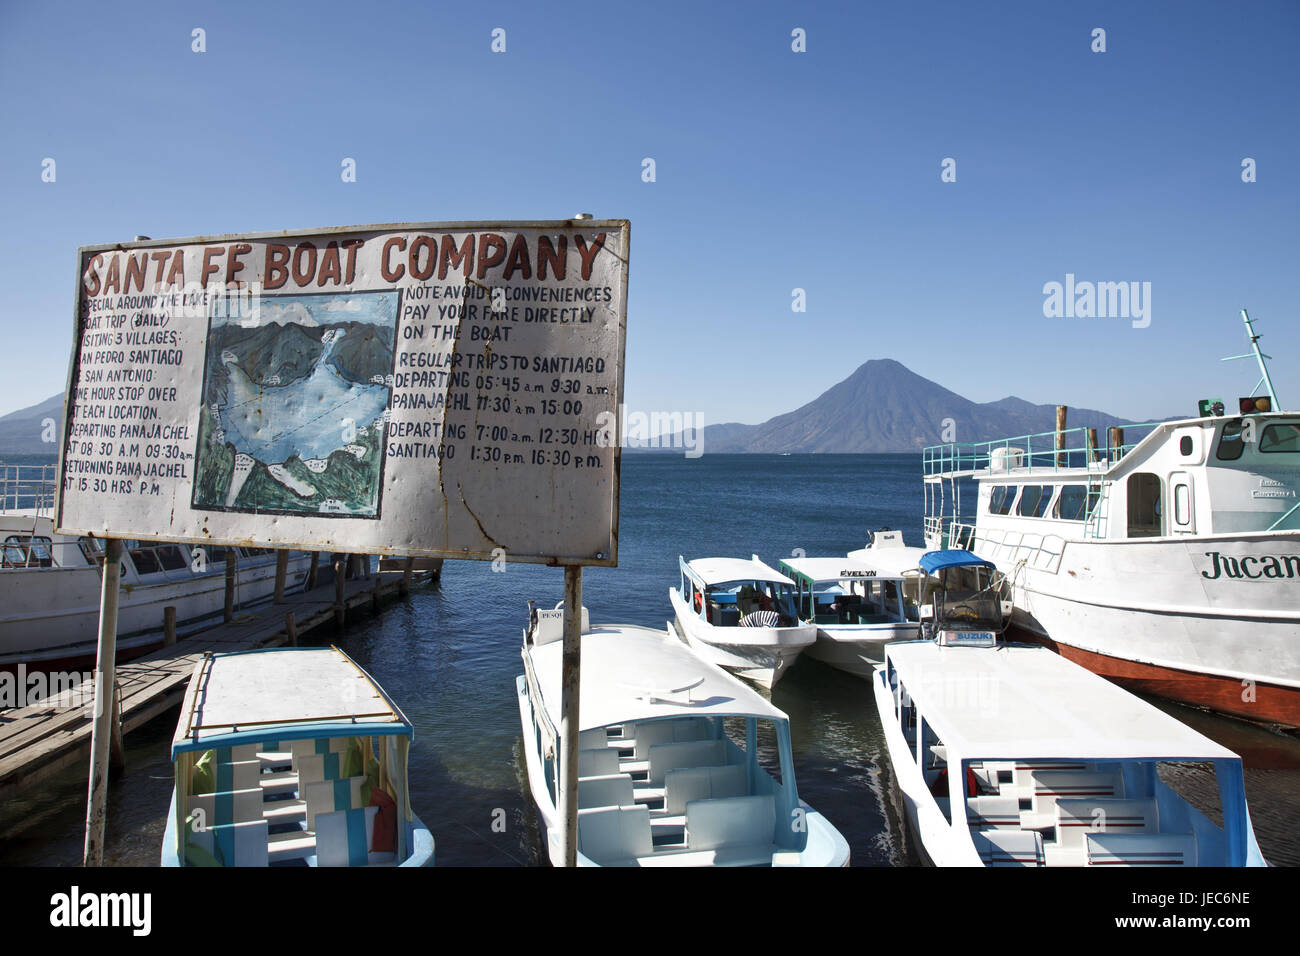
[(295, 398)]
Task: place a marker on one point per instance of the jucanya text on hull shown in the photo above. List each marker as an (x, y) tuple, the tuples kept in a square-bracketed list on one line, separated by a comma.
[(1270, 566)]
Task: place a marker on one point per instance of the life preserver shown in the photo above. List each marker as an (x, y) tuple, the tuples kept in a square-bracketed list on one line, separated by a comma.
[(699, 601)]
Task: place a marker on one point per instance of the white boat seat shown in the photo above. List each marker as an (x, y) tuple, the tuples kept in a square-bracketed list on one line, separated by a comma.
[(227, 806), (280, 781), (747, 824), (702, 783), (243, 752), (614, 836), (652, 733), (1140, 849), (1075, 819), (593, 739), (345, 837), (1009, 847), (597, 762), (989, 773), (235, 844), (993, 813), (1050, 786), (295, 845), (320, 745), (285, 811), (608, 790), (313, 768), (695, 753), (1022, 774), (723, 856), (236, 775), (326, 796)]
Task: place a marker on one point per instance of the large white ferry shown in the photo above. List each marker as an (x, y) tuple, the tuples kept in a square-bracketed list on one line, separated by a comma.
[(1170, 564), (50, 583)]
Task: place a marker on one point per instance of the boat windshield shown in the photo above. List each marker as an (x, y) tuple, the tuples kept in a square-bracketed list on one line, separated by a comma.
[(751, 604), (854, 601)]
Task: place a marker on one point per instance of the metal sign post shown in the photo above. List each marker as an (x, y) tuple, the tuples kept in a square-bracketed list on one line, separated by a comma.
[(570, 683), (105, 685)]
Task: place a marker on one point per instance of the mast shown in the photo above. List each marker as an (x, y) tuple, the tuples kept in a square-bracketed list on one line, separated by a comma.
[(1259, 357)]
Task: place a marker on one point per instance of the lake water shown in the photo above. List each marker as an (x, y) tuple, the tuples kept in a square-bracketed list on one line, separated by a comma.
[(449, 657)]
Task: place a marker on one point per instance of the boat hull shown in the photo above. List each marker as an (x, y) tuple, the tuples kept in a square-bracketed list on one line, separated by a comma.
[(758, 654), (857, 649), (50, 616), (1165, 617), (937, 840)]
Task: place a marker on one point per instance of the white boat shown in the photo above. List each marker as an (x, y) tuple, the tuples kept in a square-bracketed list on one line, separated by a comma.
[(1169, 565), (50, 583), (291, 756), (680, 763), (740, 615), (1010, 755), (858, 605)]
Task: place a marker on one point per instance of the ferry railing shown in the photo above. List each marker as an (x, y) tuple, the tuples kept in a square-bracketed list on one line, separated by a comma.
[(1035, 452), (28, 488), (1289, 521)]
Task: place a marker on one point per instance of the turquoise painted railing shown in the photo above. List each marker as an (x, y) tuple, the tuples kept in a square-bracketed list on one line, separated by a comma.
[(1037, 451), (1289, 521)]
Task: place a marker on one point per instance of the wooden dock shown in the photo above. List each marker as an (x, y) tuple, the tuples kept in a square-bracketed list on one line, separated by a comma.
[(45, 738)]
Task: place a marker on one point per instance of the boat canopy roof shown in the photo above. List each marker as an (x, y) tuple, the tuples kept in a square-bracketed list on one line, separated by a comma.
[(632, 673), (283, 693), (723, 570), (933, 561), (836, 569), (1026, 702), (889, 562)]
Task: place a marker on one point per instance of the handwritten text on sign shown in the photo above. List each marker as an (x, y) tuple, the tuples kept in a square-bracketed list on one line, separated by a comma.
[(427, 389)]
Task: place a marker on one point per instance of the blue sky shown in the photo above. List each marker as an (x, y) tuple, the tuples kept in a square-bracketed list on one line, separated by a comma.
[(775, 170)]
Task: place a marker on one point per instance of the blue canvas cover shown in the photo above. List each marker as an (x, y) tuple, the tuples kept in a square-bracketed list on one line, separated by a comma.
[(933, 561)]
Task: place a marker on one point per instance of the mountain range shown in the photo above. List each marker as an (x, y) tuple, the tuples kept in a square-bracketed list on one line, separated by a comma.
[(882, 407), (885, 407)]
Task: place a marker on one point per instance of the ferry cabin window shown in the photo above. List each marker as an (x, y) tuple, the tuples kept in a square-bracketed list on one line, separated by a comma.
[(1182, 504), (1072, 505), (1034, 501), (25, 551), (1280, 438), (1001, 499), (1144, 505), (1230, 443)]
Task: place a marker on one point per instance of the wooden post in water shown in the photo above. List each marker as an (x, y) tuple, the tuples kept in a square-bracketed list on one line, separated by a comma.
[(169, 625), (105, 681), (230, 585), (291, 629), (570, 683), (311, 575), (340, 585), (281, 569), (1092, 445), (1060, 436), (404, 588)]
